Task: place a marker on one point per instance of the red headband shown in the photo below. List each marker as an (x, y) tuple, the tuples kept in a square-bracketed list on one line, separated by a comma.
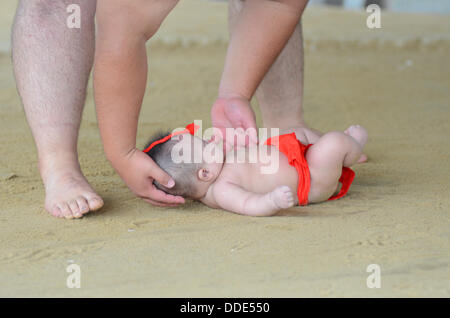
[(191, 128)]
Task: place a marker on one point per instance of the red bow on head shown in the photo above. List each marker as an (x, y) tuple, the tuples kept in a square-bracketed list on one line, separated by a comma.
[(191, 128)]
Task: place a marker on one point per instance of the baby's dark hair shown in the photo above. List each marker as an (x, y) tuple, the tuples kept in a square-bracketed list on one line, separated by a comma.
[(184, 174)]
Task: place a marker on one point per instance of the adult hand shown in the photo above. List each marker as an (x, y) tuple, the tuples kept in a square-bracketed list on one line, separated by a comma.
[(237, 113), (138, 171)]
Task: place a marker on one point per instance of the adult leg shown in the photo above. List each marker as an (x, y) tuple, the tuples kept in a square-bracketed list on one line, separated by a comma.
[(52, 64), (280, 94)]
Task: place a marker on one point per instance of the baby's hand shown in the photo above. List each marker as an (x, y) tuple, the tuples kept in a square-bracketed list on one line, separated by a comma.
[(282, 197)]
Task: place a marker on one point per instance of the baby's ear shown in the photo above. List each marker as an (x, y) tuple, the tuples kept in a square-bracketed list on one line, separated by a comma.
[(177, 137), (204, 174)]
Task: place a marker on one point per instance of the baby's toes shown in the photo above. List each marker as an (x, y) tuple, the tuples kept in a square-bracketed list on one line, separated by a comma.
[(362, 159), (351, 130)]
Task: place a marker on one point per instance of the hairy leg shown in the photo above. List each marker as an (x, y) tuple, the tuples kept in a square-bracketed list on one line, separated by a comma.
[(281, 91), (280, 94), (52, 65)]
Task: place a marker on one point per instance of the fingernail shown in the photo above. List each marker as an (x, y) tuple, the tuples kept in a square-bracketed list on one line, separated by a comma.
[(171, 183)]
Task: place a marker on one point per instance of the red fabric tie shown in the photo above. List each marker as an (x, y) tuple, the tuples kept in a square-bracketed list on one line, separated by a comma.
[(191, 128), (295, 151)]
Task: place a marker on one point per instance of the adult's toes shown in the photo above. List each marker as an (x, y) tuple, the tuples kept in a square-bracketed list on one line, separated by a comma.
[(56, 211), (95, 203), (83, 205), (65, 210), (74, 208)]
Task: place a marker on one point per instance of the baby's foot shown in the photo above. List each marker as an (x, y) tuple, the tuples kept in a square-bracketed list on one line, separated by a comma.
[(358, 133), (282, 197)]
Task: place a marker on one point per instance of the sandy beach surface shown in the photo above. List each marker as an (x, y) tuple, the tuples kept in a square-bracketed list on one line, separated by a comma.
[(395, 81)]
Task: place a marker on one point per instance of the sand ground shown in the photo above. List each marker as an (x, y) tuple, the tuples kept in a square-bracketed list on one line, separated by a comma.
[(394, 81)]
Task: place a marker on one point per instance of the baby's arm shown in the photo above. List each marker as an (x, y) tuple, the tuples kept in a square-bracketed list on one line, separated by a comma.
[(231, 197)]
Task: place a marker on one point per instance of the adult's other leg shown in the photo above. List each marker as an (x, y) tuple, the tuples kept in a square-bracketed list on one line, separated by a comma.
[(52, 63), (280, 93)]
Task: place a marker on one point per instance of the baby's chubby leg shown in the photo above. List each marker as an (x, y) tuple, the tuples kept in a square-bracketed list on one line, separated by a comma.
[(327, 156), (311, 136)]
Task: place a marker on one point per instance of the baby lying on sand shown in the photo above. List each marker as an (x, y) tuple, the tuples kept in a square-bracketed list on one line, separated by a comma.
[(311, 167)]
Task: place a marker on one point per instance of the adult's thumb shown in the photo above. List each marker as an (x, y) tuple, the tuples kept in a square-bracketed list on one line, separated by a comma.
[(161, 176), (250, 127)]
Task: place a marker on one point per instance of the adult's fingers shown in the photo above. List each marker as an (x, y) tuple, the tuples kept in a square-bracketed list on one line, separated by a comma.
[(162, 198), (218, 136), (160, 175), (156, 203), (242, 117), (247, 121), (249, 125)]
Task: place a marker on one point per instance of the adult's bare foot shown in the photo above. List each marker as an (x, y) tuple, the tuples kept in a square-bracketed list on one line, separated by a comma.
[(67, 192)]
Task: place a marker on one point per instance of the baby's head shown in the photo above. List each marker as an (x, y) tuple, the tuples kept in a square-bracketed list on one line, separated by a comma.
[(194, 174)]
